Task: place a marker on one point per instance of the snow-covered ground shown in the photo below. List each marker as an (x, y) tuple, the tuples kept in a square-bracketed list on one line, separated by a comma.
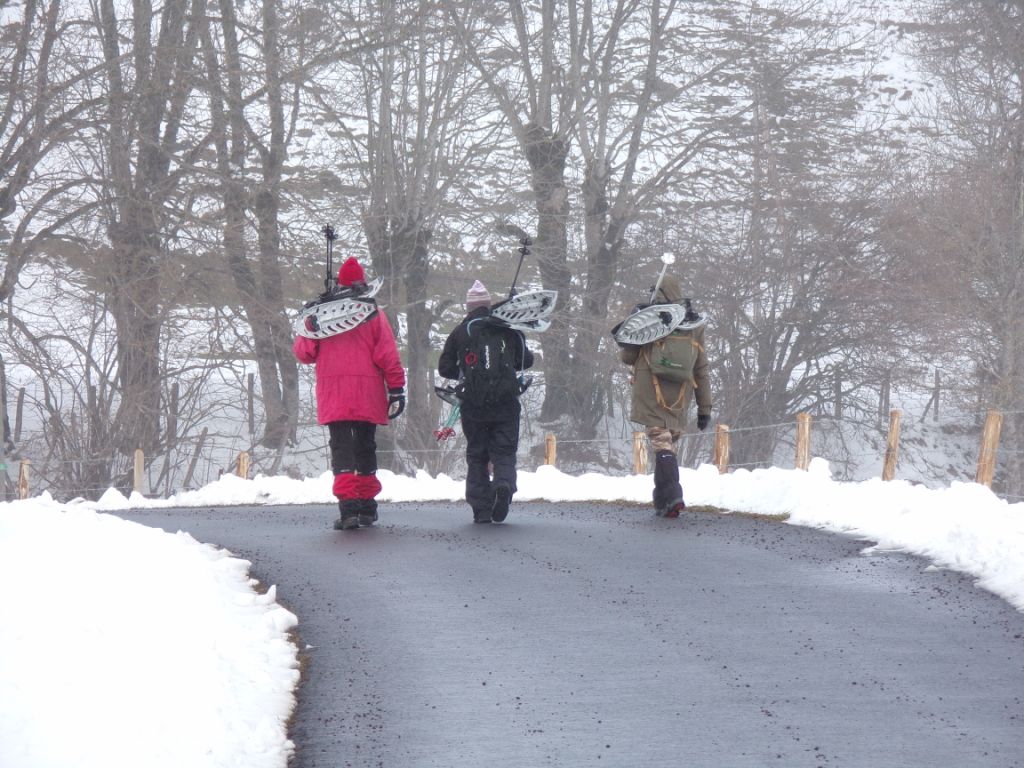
[(124, 646)]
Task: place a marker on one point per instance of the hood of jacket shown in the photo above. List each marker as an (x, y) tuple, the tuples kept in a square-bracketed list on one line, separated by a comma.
[(669, 292)]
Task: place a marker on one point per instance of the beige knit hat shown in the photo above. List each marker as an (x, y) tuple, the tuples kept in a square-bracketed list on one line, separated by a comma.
[(477, 296)]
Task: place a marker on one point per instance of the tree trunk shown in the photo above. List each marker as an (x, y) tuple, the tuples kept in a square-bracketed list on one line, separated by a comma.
[(277, 365), (278, 369), (6, 437), (603, 237), (134, 288), (420, 389), (147, 119), (547, 156)]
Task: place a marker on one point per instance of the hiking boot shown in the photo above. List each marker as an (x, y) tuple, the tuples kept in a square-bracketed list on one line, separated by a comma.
[(347, 522), (349, 510), (670, 510), (675, 509), (502, 498), (367, 513), (481, 516)]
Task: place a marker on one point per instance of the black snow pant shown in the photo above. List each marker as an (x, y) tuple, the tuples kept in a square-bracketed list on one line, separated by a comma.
[(354, 464), (494, 443)]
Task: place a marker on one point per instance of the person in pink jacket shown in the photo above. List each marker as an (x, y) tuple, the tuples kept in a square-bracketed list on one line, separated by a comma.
[(360, 384)]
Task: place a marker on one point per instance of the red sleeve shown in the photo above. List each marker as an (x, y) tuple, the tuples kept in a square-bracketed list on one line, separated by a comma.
[(385, 354), (305, 349)]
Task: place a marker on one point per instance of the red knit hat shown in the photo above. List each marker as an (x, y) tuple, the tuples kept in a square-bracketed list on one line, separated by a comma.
[(351, 272)]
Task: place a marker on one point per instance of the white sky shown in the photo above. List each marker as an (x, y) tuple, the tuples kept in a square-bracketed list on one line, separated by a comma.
[(124, 646)]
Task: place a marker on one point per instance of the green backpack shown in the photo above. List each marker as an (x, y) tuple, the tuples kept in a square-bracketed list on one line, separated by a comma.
[(674, 357)]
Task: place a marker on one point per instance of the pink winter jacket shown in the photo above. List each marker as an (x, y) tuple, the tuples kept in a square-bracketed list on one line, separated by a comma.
[(354, 371)]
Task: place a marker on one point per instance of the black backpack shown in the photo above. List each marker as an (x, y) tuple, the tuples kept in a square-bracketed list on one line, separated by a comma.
[(488, 364)]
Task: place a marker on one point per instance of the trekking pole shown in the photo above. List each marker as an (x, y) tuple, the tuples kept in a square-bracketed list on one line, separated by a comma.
[(523, 253), (666, 260), (330, 280)]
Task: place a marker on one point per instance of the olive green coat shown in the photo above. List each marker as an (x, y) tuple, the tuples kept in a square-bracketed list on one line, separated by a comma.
[(660, 403)]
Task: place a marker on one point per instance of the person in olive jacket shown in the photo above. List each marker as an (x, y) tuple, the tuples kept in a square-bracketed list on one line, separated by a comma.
[(360, 385), (661, 405), (490, 418)]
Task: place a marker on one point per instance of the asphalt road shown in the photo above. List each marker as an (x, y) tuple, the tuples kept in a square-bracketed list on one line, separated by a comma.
[(599, 635)]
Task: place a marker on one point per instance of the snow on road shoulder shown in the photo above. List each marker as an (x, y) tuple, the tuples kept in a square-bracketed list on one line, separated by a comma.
[(964, 527), (123, 645)]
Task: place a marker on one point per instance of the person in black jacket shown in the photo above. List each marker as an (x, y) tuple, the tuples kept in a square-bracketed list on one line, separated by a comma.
[(486, 356)]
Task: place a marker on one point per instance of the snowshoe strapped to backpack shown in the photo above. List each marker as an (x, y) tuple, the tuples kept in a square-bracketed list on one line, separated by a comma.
[(655, 321), (530, 311), (338, 311), (488, 364)]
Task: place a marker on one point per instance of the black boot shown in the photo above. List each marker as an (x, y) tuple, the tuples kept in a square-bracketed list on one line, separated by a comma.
[(668, 493), (349, 518), (481, 516), (367, 512), (502, 499)]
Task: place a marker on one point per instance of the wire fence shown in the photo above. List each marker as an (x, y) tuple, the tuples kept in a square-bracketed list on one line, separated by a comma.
[(855, 449)]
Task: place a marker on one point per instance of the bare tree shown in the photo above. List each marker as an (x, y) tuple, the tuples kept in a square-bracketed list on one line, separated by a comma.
[(669, 108), (968, 222), (779, 226), (240, 97), (38, 119), (147, 88), (638, 70)]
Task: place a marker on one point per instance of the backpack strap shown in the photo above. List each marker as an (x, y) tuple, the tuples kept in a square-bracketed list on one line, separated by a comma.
[(678, 405)]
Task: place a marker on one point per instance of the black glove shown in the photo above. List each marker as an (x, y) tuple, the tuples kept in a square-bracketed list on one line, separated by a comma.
[(396, 402), (702, 421)]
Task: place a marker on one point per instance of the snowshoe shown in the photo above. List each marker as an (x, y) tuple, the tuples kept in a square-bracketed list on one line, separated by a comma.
[(654, 322), (528, 311), (338, 311), (450, 394)]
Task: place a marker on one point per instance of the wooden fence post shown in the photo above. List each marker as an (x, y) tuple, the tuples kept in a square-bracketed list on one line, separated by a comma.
[(803, 440), (23, 470), (892, 446), (243, 465), (989, 444), (639, 453), (137, 470), (550, 449), (721, 455)]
